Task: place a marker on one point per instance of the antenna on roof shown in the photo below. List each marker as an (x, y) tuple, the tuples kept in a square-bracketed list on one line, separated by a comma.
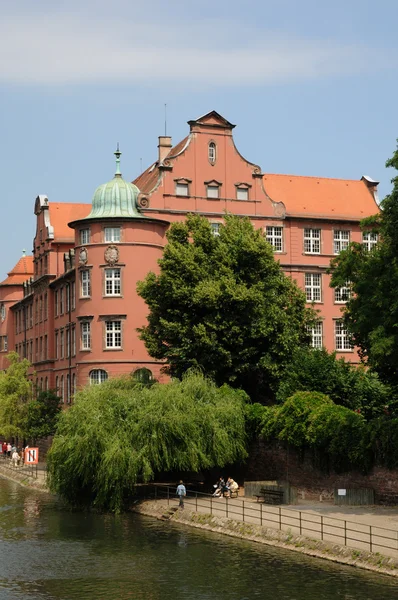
[(165, 119)]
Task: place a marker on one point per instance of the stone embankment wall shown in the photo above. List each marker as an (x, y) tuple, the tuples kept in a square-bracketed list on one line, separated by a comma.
[(273, 461)]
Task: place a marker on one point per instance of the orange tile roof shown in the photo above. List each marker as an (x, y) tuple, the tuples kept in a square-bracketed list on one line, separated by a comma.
[(321, 197), (22, 271), (62, 213), (148, 179)]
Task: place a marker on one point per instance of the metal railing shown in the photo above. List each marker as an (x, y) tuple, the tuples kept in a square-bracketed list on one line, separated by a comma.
[(352, 534), (29, 470)]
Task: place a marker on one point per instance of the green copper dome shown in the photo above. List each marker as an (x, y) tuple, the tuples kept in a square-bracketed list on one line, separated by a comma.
[(117, 198)]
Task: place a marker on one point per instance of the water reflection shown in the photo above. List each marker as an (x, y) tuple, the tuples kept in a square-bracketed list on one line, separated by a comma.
[(47, 552)]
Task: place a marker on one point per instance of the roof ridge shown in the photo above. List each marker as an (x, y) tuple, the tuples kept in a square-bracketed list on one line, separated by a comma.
[(311, 177)]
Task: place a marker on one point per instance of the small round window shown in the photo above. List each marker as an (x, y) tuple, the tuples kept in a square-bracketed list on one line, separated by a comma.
[(212, 153)]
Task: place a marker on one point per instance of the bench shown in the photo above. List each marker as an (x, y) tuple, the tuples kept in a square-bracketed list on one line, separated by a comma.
[(270, 496), (231, 493)]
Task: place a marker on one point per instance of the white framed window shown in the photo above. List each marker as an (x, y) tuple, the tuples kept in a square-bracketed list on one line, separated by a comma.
[(313, 289), (369, 239), (274, 236), (342, 339), (85, 286), (316, 333), (215, 228), (98, 376), (85, 335), (182, 189), (341, 240), (84, 237), (61, 301), (113, 334), (342, 294), (213, 191), (112, 234), (242, 193), (312, 241), (67, 298), (56, 345), (61, 343), (212, 153), (113, 282), (68, 336)]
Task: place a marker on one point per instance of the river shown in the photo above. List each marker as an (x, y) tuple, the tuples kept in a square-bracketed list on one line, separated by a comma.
[(50, 553)]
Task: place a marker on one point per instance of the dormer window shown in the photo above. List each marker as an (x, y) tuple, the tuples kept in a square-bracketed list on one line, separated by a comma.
[(212, 153), (242, 191), (182, 187)]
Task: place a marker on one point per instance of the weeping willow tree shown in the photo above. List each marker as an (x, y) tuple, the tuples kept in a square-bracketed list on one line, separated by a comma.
[(122, 432)]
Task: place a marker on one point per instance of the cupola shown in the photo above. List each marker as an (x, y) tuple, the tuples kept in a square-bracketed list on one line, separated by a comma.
[(117, 198)]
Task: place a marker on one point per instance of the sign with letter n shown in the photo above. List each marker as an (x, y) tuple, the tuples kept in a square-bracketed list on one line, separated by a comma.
[(31, 456)]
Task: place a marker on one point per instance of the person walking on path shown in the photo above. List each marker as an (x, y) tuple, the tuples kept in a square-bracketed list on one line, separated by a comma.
[(181, 492), (9, 447), (4, 449)]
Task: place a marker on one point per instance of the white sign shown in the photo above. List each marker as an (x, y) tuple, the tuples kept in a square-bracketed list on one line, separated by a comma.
[(341, 492), (31, 456)]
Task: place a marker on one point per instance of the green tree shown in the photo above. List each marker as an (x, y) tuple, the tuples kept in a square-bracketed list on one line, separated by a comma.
[(353, 387), (222, 303), (15, 392), (42, 416), (121, 432), (371, 314)]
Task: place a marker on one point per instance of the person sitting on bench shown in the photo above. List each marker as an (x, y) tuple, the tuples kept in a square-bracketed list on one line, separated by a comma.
[(232, 486), (220, 487)]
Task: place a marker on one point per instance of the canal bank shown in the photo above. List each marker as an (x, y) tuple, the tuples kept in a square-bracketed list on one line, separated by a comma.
[(375, 562), (24, 475)]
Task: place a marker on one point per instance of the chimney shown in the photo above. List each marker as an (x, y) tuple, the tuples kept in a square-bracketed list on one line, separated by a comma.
[(164, 146)]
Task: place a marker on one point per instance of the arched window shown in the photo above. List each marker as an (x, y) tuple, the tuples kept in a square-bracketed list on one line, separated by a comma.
[(143, 376), (98, 376), (212, 153)]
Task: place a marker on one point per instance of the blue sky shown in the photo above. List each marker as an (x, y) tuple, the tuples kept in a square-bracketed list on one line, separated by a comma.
[(311, 86)]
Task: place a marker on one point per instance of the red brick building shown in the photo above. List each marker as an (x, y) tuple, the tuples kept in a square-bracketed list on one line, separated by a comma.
[(75, 316)]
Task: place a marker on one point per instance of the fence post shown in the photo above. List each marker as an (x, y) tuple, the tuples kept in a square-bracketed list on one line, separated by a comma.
[(280, 518), (321, 527), (196, 502), (370, 536), (261, 514), (226, 508), (168, 495), (156, 492), (345, 533), (300, 521), (211, 505), (243, 511)]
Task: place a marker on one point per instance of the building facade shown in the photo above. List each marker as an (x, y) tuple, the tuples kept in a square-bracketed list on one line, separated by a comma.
[(75, 315)]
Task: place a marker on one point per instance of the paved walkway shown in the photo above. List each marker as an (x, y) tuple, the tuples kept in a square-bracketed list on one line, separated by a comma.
[(373, 528)]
